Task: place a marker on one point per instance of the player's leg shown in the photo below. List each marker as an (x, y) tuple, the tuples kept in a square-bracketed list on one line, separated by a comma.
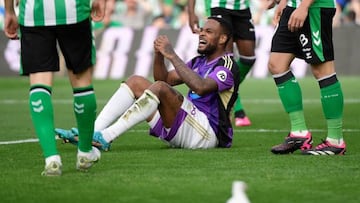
[(76, 44), (247, 56), (283, 50), (85, 113), (84, 107), (332, 101), (42, 114), (39, 62), (145, 105), (244, 38), (291, 98), (246, 60), (190, 129), (121, 100), (323, 69)]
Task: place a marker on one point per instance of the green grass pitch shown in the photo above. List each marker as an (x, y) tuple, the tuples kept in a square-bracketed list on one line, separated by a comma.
[(140, 168)]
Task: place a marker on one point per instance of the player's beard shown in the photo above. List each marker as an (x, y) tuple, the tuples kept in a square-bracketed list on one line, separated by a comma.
[(210, 49)]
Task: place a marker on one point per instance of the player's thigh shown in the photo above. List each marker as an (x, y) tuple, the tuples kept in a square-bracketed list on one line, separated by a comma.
[(243, 27), (316, 36), (245, 47), (195, 131), (38, 50), (170, 101), (77, 45)]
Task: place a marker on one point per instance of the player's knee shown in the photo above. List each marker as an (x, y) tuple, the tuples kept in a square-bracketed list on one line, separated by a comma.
[(272, 66), (137, 84)]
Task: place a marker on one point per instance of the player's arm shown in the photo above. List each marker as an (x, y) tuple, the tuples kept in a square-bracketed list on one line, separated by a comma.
[(11, 22), (193, 18), (161, 73), (199, 85), (278, 11), (297, 18), (98, 10)]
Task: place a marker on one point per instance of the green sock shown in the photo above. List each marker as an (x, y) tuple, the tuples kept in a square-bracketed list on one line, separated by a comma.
[(297, 121), (42, 114), (291, 98), (85, 114), (334, 128), (238, 105), (333, 104), (244, 70)]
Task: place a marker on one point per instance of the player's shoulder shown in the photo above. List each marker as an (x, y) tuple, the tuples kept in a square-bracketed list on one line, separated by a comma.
[(196, 59), (227, 61)]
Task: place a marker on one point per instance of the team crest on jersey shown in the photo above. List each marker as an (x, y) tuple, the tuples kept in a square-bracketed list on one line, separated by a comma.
[(221, 75)]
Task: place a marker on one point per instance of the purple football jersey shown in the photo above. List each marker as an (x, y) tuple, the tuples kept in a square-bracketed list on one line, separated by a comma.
[(217, 105)]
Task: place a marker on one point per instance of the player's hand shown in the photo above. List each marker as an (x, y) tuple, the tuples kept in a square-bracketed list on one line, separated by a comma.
[(297, 19), (98, 10), (194, 23), (269, 4), (11, 25), (278, 12), (163, 45)]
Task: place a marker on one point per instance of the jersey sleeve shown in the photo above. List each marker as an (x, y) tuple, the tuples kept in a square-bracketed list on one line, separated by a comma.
[(222, 74)]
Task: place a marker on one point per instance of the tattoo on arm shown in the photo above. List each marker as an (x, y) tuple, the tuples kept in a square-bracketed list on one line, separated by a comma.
[(188, 76)]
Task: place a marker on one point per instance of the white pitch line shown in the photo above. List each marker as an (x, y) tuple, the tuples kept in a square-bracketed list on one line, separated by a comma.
[(18, 141), (145, 131), (248, 101)]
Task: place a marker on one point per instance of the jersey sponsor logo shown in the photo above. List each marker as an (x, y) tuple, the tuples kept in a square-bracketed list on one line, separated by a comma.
[(303, 40), (221, 75)]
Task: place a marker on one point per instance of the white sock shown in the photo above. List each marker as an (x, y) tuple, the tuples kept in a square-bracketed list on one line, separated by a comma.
[(143, 107), (300, 133), (115, 107), (336, 142), (154, 120), (94, 152), (49, 159)]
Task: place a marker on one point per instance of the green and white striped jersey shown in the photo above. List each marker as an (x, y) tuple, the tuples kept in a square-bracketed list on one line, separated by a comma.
[(228, 4), (315, 4), (53, 12)]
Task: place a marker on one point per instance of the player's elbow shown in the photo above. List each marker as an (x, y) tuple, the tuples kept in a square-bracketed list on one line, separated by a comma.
[(201, 90)]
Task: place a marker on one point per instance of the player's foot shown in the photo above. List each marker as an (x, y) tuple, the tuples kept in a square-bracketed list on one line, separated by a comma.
[(326, 148), (104, 145), (293, 143), (240, 122), (52, 169), (86, 160), (68, 136)]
